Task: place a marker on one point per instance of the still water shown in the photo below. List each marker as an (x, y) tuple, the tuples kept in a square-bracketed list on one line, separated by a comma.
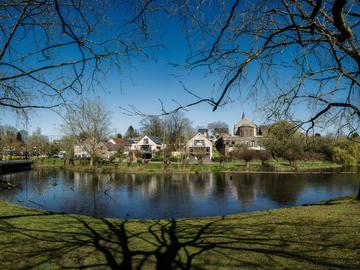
[(172, 195)]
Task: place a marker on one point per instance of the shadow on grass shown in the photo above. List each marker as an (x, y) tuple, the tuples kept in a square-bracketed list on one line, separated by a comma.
[(55, 241)]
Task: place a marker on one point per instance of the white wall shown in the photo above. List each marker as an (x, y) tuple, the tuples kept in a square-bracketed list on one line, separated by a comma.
[(199, 136), (152, 144)]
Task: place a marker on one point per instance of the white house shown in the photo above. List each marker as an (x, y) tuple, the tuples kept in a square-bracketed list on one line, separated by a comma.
[(149, 144), (200, 143), (80, 151), (133, 143)]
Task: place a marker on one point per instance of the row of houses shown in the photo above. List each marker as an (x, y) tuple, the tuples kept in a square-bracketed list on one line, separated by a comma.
[(245, 132), (147, 145)]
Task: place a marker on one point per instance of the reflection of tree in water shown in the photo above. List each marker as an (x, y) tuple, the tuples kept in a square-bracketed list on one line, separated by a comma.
[(243, 187), (157, 195), (281, 188), (84, 193), (173, 192), (42, 179), (133, 182), (17, 190), (331, 182), (220, 186), (202, 184)]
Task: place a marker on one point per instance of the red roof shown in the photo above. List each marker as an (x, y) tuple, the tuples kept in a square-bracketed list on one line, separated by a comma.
[(120, 141)]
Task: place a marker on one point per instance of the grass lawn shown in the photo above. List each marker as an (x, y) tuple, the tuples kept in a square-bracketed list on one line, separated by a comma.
[(324, 236), (255, 165)]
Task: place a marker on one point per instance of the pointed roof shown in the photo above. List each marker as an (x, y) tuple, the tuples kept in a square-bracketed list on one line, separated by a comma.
[(198, 136), (155, 139), (244, 122), (118, 141), (113, 147)]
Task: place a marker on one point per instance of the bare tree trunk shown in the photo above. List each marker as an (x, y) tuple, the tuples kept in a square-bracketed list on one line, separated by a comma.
[(358, 195)]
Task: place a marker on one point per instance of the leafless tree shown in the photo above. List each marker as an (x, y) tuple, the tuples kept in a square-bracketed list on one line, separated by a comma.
[(67, 144), (178, 129), (288, 53), (90, 121), (38, 144), (218, 128), (51, 50), (243, 152), (200, 153), (314, 43)]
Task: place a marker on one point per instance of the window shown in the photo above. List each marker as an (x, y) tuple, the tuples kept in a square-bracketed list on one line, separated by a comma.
[(199, 143), (146, 141)]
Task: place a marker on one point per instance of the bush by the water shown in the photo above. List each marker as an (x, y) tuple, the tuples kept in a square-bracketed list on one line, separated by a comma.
[(283, 140)]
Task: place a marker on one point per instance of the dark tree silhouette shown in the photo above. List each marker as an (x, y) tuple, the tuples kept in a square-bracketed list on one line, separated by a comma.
[(35, 71)]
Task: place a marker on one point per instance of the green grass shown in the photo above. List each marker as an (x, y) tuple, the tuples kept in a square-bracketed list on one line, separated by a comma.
[(324, 236), (304, 164), (255, 165)]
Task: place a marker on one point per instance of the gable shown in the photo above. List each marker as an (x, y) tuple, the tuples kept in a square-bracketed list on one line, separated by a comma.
[(199, 136), (151, 140)]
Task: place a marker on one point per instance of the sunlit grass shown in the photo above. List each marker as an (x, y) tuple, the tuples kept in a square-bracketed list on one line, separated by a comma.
[(325, 236), (233, 166)]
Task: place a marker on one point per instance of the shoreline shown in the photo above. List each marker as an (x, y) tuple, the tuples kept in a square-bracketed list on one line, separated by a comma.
[(151, 171), (319, 170), (231, 167)]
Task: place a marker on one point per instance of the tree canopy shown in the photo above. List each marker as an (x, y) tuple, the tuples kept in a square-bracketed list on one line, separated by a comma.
[(218, 128)]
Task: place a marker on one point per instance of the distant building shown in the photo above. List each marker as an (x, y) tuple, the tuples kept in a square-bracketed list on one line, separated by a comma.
[(245, 128), (120, 144), (117, 141), (148, 145), (200, 143), (245, 132), (132, 143), (80, 151), (105, 149)]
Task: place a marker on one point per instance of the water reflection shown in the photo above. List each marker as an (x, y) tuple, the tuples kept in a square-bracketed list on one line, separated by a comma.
[(175, 195)]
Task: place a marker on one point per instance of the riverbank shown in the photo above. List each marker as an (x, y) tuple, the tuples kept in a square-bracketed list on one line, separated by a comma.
[(158, 167), (320, 236)]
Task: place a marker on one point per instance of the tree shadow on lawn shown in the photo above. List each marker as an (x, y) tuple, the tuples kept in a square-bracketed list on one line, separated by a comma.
[(49, 241)]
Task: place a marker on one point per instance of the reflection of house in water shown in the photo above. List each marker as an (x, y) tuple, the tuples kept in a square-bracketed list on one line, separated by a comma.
[(149, 187)]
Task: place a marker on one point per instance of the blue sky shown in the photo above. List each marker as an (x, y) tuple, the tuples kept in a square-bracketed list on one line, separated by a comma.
[(142, 81)]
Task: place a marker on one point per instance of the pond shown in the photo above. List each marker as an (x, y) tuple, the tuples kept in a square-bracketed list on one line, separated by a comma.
[(172, 195)]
